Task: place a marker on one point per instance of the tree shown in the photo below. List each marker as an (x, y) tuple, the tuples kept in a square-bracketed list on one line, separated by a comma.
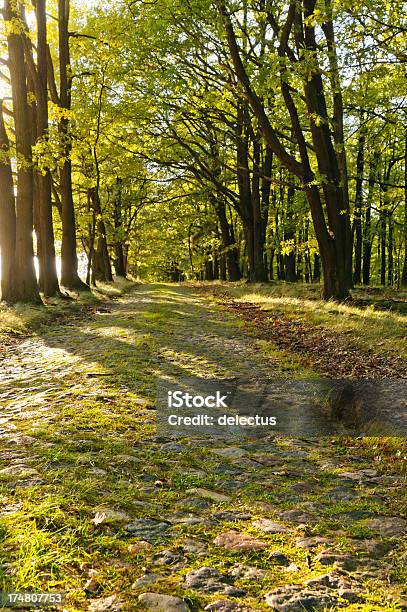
[(69, 258), (7, 217), (26, 287), (47, 261), (334, 237), (404, 273)]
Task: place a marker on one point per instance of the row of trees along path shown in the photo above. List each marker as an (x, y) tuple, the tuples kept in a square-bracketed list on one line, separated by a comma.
[(217, 142)]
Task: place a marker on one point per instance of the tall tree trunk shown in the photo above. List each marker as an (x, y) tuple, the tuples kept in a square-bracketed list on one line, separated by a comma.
[(385, 219), (26, 287), (91, 233), (334, 270), (7, 217), (357, 221), (308, 267), (36, 187), (317, 268), (383, 232), (289, 237), (404, 272), (229, 247), (102, 269), (367, 230), (69, 258), (273, 234), (339, 135), (258, 217), (271, 263), (243, 182), (390, 249), (265, 202), (119, 262), (47, 258), (336, 259), (249, 195)]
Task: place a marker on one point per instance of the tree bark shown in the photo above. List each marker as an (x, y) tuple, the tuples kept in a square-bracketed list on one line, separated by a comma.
[(317, 268), (69, 258), (258, 215), (249, 195), (7, 217), (26, 287), (102, 269), (119, 262), (333, 187), (289, 235), (357, 221), (404, 272), (385, 220), (36, 188), (228, 240), (390, 248), (367, 230), (383, 236), (47, 259), (339, 132)]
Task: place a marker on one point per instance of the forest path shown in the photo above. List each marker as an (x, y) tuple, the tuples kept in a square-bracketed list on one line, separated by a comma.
[(94, 503)]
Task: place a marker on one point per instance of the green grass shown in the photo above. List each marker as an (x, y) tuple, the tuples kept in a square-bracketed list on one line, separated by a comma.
[(23, 319), (375, 319)]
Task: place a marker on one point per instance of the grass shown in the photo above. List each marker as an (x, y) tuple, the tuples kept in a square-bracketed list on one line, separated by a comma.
[(23, 319), (373, 319)]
